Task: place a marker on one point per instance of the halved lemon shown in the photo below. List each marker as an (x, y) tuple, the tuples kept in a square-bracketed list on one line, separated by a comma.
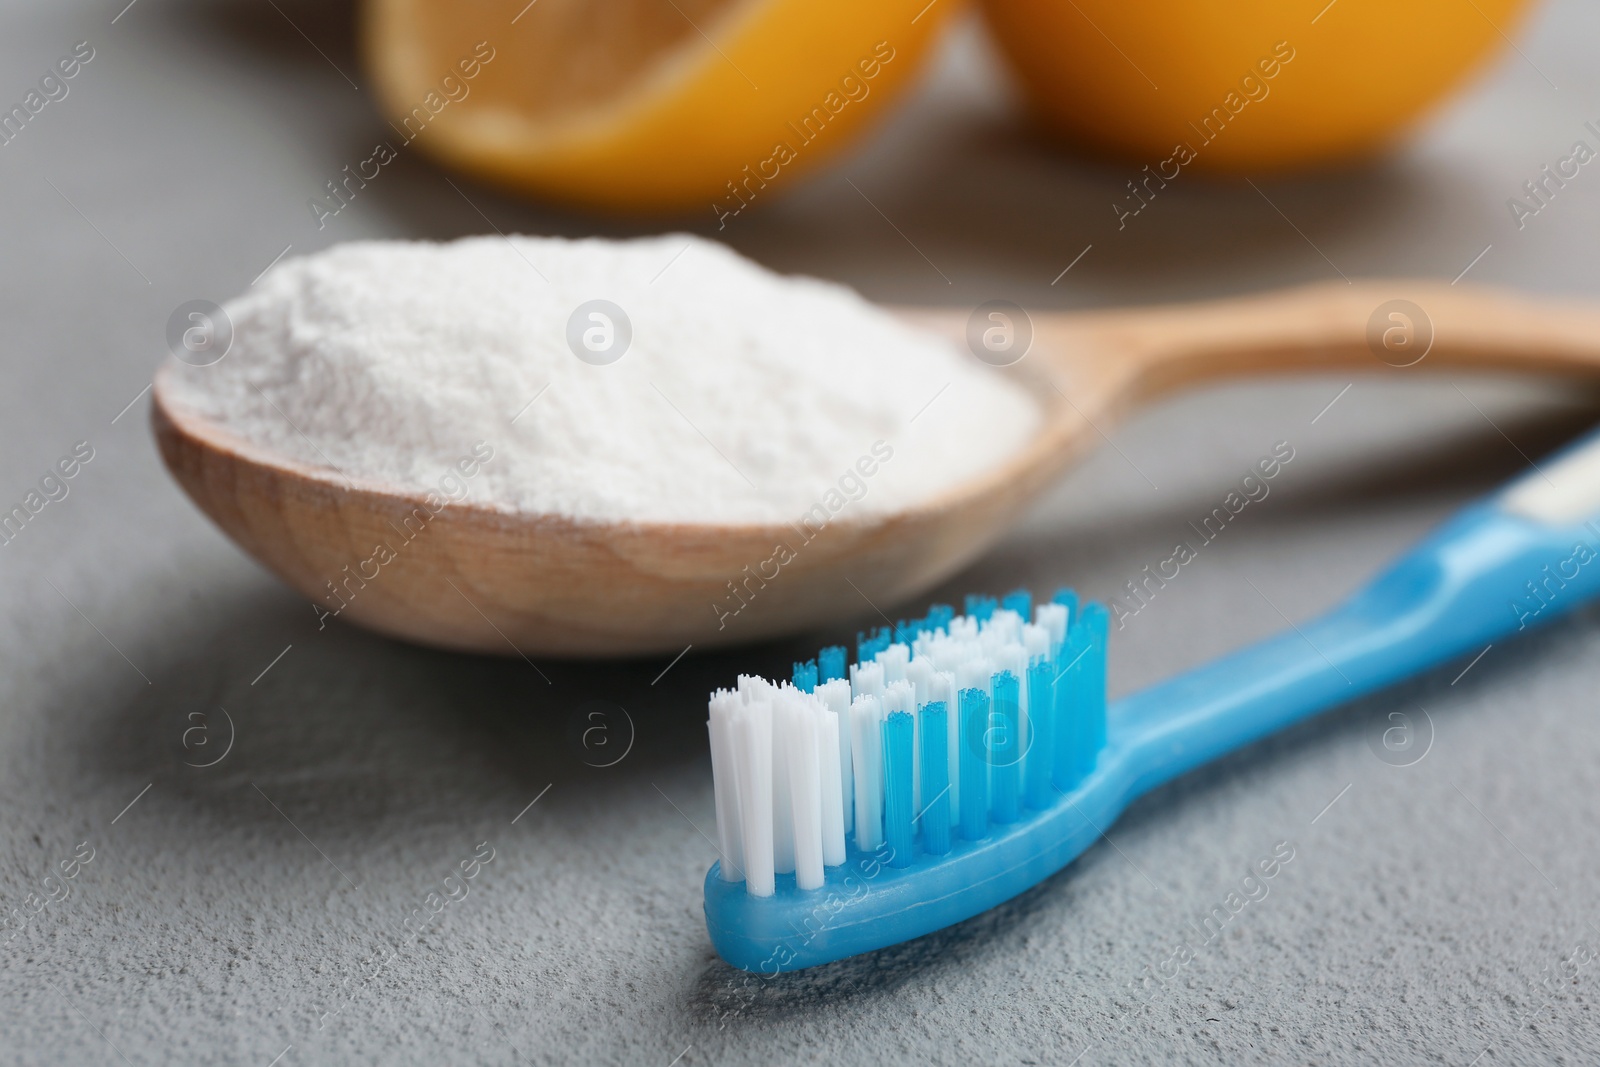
[(643, 105)]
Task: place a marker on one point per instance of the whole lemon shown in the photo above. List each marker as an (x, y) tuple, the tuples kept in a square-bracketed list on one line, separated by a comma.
[(1243, 84)]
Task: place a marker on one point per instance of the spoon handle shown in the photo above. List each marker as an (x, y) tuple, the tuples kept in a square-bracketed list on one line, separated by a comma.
[(1364, 325)]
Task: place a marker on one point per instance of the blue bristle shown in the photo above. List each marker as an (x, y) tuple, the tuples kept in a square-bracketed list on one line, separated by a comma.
[(980, 607), (1021, 602), (935, 779), (1003, 744), (1069, 769), (1097, 620), (897, 763), (870, 643), (831, 663), (1036, 789), (1081, 698), (939, 616), (917, 627), (1070, 599), (973, 771), (805, 676)]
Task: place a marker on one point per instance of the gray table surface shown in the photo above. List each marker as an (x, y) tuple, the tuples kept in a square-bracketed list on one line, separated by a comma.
[(1428, 915)]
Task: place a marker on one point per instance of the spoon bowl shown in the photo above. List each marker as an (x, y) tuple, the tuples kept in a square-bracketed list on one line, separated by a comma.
[(475, 578)]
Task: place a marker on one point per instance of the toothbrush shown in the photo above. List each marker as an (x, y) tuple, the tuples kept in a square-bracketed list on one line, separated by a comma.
[(963, 759)]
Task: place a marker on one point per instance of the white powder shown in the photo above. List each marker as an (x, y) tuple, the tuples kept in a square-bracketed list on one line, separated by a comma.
[(743, 396)]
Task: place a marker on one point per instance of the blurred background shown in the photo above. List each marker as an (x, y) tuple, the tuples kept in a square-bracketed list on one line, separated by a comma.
[(230, 911)]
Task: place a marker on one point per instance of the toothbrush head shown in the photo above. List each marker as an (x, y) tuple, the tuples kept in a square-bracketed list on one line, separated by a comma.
[(953, 765)]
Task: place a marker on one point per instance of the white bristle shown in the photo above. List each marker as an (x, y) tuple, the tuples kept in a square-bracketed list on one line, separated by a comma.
[(1005, 625), (1053, 617), (753, 741), (866, 679), (836, 696), (919, 672), (799, 719), (893, 660), (1036, 639), (724, 707), (782, 795), (951, 653), (753, 687), (829, 766), (866, 743), (1013, 658), (944, 688), (974, 673)]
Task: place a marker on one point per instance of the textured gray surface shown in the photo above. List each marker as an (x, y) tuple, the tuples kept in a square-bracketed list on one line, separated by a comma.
[(226, 917)]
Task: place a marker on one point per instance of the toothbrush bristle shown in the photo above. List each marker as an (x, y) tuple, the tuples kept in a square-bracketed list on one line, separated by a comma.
[(831, 662), (1019, 601), (805, 676), (944, 728)]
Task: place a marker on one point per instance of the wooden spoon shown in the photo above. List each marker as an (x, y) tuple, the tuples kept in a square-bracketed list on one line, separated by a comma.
[(481, 580)]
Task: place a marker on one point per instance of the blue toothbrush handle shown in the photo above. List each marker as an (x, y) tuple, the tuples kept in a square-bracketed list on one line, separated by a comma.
[(1484, 575)]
